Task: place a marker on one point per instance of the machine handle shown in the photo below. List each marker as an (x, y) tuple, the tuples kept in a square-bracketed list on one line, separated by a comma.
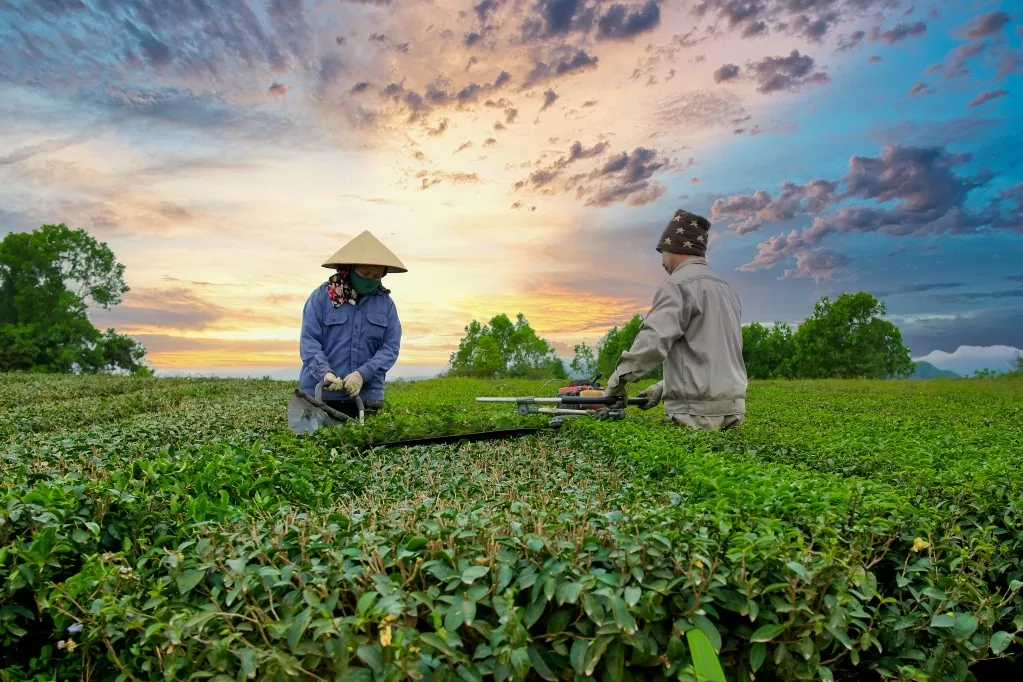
[(360, 406), (565, 400)]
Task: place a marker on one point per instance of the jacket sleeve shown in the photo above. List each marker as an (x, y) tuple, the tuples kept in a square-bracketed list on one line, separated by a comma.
[(662, 327), (310, 341), (384, 359)]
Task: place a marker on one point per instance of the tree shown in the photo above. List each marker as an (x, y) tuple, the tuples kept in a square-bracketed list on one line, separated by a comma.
[(584, 363), (617, 341), (768, 353), (48, 279), (848, 338), (505, 349)]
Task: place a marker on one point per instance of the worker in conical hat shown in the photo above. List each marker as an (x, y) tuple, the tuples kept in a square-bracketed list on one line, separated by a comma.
[(350, 328)]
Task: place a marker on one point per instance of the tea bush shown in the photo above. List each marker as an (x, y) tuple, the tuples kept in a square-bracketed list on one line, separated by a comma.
[(174, 529)]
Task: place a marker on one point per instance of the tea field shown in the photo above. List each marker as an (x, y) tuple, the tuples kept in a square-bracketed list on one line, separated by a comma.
[(174, 529)]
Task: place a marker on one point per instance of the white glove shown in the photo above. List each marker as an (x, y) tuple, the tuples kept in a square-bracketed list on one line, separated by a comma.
[(615, 387), (653, 395), (353, 384), (331, 382)]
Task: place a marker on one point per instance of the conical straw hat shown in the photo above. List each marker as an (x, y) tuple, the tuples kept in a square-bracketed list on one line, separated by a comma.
[(365, 250)]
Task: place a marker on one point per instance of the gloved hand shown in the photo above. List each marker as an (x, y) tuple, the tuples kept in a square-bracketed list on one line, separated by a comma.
[(353, 384), (615, 387), (653, 396), (331, 382)]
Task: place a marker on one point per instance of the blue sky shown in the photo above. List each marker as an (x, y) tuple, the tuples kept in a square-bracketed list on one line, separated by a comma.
[(224, 149)]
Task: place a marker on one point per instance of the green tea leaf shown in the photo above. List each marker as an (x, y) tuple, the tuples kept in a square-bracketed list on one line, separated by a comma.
[(540, 666), (372, 655), (187, 580), (594, 653), (623, 619), (579, 653), (757, 655), (965, 625), (798, 569), (1000, 641), (569, 592), (248, 661), (943, 621), (474, 573), (614, 661), (768, 632)]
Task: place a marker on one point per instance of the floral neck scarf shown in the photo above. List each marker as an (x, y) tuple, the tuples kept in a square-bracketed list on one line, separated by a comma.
[(341, 291)]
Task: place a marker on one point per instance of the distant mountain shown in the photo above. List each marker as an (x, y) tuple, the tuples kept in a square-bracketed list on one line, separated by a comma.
[(925, 370)]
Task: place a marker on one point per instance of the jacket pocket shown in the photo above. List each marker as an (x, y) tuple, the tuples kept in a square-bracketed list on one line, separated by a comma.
[(374, 330), (335, 317)]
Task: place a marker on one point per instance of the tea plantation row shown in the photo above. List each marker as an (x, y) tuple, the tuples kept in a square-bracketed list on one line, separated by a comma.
[(174, 529)]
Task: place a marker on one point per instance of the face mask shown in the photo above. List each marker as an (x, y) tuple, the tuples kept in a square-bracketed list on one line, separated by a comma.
[(363, 285)]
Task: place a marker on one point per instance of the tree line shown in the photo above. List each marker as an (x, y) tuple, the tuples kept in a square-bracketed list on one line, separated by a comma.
[(843, 338), (49, 277)]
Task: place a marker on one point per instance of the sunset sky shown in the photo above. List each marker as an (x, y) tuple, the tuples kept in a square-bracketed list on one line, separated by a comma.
[(521, 156)]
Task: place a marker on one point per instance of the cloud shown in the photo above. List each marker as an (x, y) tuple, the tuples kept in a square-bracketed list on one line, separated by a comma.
[(849, 42), (973, 296), (29, 151), (976, 32), (625, 177), (774, 74), (966, 360), (921, 88), (985, 327), (985, 25), (987, 96), (621, 23), (177, 308), (917, 288), (429, 179), (900, 32), (278, 89), (726, 73), (698, 110), (903, 191), (810, 19), (546, 175), (821, 264), (751, 211), (562, 65), (558, 18), (549, 98)]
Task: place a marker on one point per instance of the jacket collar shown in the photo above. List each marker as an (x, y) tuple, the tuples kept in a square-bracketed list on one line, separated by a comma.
[(695, 260)]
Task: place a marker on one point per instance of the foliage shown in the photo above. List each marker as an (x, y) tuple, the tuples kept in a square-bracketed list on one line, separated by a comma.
[(584, 362), (1015, 371), (848, 339), (505, 349), (768, 353), (48, 279), (615, 342), (168, 529)]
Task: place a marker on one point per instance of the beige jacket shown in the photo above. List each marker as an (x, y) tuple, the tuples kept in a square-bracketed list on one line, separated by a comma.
[(694, 329)]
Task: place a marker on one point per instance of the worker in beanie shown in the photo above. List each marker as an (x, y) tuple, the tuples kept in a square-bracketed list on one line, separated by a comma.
[(351, 333), (694, 329)]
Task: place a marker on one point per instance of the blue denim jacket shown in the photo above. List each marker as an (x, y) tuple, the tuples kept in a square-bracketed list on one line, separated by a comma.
[(364, 336)]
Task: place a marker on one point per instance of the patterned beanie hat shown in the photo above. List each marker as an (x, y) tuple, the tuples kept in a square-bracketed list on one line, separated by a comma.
[(685, 234)]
